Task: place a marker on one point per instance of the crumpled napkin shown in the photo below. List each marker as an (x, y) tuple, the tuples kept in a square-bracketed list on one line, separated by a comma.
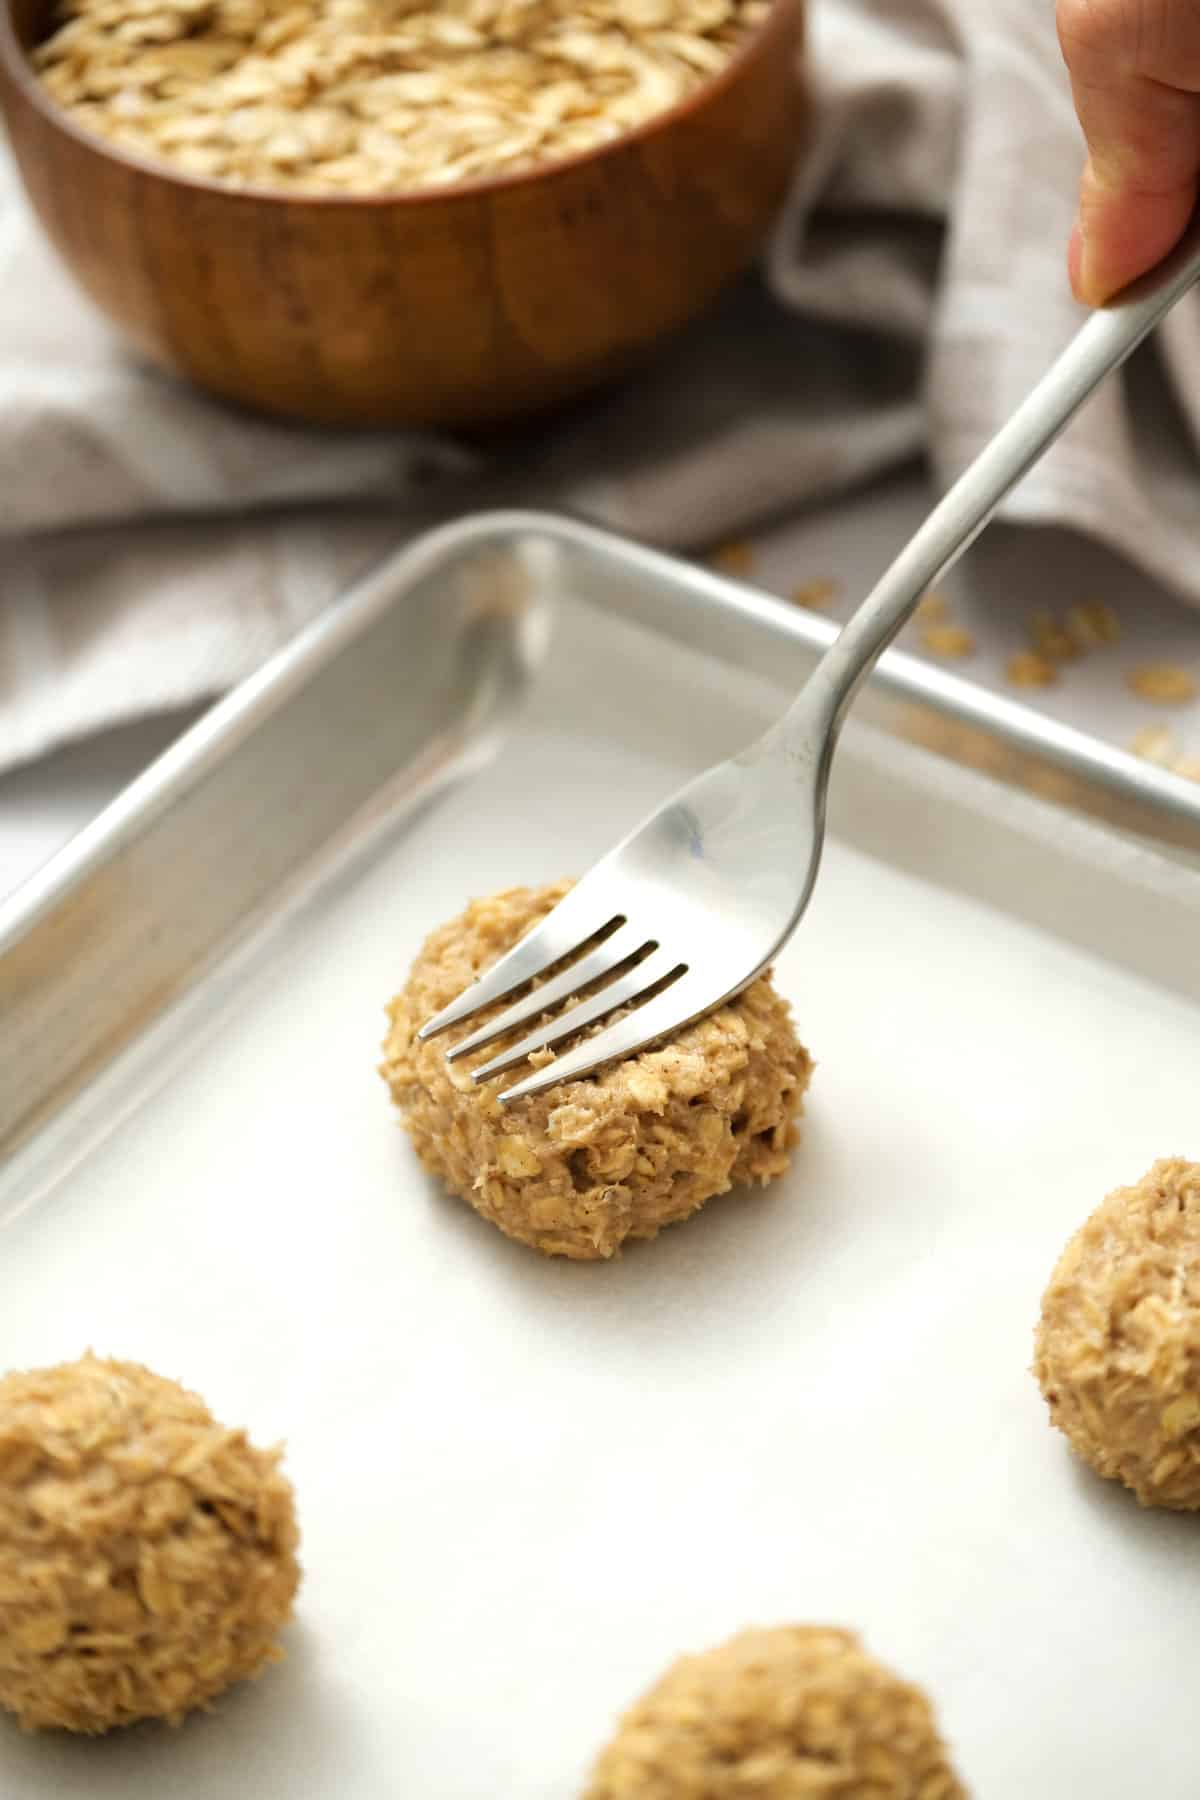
[(155, 546)]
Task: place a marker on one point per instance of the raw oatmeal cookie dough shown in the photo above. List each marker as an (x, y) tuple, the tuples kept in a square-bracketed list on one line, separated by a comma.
[(1118, 1345), (147, 1554), (578, 1169), (794, 1712)]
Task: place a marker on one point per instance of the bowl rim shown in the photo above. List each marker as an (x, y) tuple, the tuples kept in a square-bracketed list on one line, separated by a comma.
[(15, 63)]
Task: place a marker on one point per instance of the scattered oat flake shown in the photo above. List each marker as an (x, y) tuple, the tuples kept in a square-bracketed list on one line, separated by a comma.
[(1092, 623), (952, 642), (1155, 744), (1048, 639), (1165, 683), (1029, 670), (815, 594), (734, 558), (931, 608)]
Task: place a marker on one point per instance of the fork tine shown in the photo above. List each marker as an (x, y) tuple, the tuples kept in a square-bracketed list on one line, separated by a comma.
[(618, 993), (657, 1019), (565, 927), (604, 960)]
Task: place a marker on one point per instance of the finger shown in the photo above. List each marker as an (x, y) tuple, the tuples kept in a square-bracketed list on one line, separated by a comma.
[(1139, 185), (1135, 72)]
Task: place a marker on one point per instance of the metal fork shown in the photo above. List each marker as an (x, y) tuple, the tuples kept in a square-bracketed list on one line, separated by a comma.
[(698, 901)]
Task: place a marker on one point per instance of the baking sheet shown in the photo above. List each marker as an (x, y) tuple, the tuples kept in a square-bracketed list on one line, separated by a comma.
[(525, 1486), (397, 690)]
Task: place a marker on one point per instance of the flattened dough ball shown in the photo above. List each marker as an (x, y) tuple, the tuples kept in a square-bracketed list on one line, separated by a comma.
[(578, 1169), (147, 1554), (1118, 1344), (796, 1712)]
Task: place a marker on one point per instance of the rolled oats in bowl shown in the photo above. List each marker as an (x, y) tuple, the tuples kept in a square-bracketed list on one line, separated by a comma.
[(378, 96)]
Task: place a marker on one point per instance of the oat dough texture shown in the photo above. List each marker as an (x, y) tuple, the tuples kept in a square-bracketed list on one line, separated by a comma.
[(1118, 1344), (578, 1169), (147, 1554), (796, 1713)]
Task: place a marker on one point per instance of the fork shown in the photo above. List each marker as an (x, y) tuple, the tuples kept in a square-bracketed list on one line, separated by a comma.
[(699, 900)]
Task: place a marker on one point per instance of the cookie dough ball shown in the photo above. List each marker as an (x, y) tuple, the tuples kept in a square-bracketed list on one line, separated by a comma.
[(1118, 1345), (801, 1710), (578, 1169), (147, 1554)]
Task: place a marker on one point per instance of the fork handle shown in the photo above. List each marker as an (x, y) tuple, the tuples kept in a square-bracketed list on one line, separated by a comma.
[(1101, 345)]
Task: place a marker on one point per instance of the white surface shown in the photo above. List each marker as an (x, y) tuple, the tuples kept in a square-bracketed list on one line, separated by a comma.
[(525, 1486)]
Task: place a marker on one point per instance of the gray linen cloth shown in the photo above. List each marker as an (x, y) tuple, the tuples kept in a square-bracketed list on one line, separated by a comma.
[(154, 547)]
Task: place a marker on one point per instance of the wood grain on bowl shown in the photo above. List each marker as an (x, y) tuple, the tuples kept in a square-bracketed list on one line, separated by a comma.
[(459, 307)]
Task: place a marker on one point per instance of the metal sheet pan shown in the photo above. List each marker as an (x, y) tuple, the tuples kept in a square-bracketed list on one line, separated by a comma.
[(524, 1486), (396, 690)]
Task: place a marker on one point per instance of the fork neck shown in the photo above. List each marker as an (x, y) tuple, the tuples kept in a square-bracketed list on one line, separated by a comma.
[(1101, 345)]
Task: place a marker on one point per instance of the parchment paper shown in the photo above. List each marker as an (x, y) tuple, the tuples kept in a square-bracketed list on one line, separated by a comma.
[(525, 1486)]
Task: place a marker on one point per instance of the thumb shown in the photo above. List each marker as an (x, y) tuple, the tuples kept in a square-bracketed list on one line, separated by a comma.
[(1142, 125), (1133, 207)]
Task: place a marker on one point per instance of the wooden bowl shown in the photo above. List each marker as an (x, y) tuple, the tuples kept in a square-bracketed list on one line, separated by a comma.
[(460, 307)]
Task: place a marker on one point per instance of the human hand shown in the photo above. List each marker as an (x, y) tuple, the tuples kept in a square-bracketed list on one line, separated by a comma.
[(1135, 76)]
